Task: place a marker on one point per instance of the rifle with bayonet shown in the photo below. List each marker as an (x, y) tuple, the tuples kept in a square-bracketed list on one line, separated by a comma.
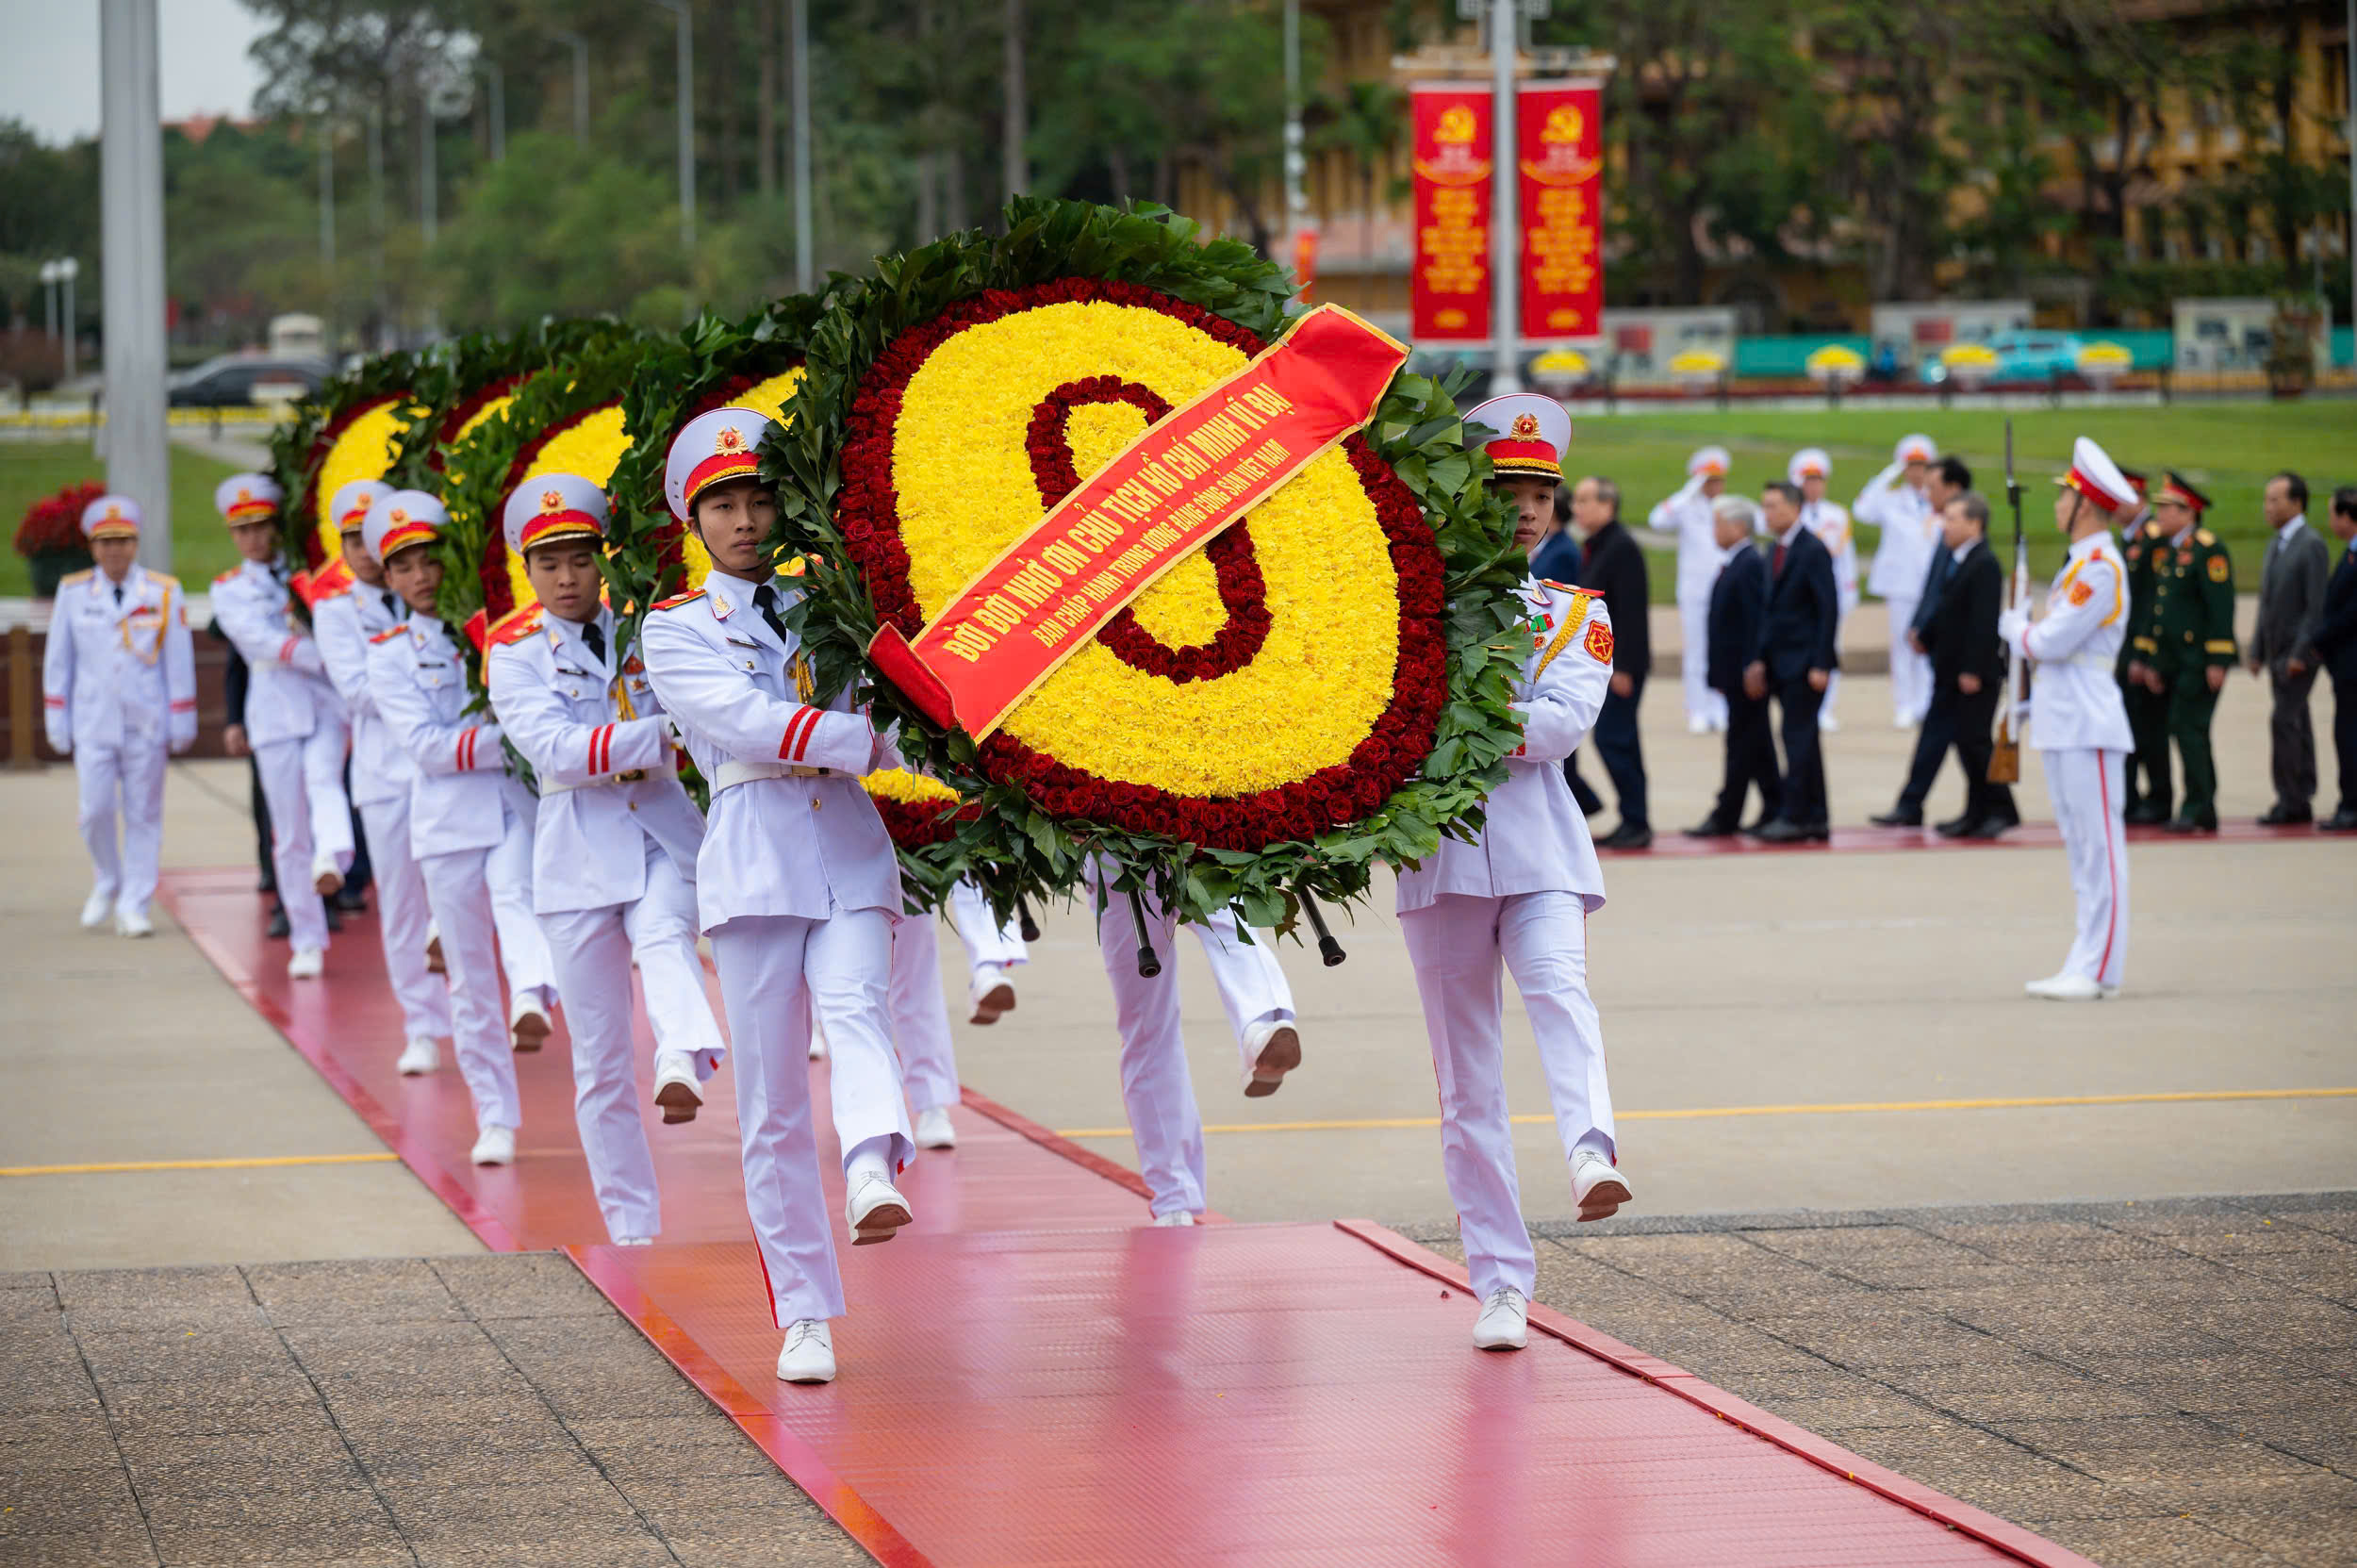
[(2004, 761)]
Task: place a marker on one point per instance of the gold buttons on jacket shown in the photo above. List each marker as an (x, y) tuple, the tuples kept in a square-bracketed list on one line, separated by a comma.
[(816, 802)]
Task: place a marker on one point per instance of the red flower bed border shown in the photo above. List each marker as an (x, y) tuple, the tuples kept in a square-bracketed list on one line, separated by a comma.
[(867, 512)]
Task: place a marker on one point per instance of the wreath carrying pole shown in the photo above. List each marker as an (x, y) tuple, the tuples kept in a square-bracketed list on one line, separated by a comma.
[(1328, 950), (1148, 965)]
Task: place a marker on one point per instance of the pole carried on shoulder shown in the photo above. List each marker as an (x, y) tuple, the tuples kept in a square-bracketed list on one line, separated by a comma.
[(2004, 760)]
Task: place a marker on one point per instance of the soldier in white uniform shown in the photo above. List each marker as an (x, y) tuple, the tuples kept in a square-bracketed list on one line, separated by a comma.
[(614, 853), (118, 693), (1687, 515), (470, 821), (349, 606), (293, 720), (1810, 468), (1519, 894), (797, 885), (1157, 1090), (992, 948), (1895, 501), (2078, 721)]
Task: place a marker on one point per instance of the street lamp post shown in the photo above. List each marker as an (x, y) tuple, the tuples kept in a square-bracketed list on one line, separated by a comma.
[(49, 296), (1505, 267), (580, 47), (799, 18), (686, 55), (67, 269), (497, 80), (1297, 159), (131, 203)]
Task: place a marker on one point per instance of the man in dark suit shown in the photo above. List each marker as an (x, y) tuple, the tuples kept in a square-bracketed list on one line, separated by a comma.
[(2335, 644), (2291, 597), (1950, 478), (1613, 563), (1739, 599), (1967, 679), (1794, 657)]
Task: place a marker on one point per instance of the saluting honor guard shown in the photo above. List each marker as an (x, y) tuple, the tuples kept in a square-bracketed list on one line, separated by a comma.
[(2077, 721), (350, 607), (614, 849), (469, 819), (293, 720), (1810, 468), (1896, 500), (1687, 515), (118, 693), (1518, 895), (796, 883)]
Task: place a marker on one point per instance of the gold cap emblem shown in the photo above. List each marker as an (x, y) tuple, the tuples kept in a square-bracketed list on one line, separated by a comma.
[(244, 495), (551, 501), (729, 439), (399, 514), (114, 513), (1525, 427)]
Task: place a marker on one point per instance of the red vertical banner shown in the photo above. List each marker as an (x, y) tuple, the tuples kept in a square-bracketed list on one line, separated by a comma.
[(1306, 259), (1449, 285), (1559, 136)]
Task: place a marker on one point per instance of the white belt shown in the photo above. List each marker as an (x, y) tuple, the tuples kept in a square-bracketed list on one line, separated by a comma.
[(2083, 660), (733, 773), (550, 786)]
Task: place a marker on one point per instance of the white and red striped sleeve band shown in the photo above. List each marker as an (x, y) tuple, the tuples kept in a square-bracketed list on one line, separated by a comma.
[(285, 649), (798, 730), (55, 701), (601, 749), (186, 704), (466, 758)]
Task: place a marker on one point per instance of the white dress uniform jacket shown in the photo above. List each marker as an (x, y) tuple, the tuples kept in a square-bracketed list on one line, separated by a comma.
[(1548, 847), (344, 623), (288, 696), (1831, 525), (1905, 516), (1688, 514), (119, 669), (725, 677), (418, 678), (2074, 695)]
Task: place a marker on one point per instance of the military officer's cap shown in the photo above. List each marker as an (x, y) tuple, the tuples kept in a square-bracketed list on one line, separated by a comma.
[(400, 519), (551, 507), (1533, 433), (111, 516), (352, 501), (247, 497), (2094, 475), (1810, 462), (1710, 462), (1916, 448), (2176, 488), (710, 449)]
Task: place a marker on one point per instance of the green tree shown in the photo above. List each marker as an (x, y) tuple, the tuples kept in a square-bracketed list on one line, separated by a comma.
[(559, 229)]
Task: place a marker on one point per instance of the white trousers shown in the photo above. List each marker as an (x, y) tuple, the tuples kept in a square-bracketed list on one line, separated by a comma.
[(1458, 944), (2087, 786), (1157, 1089), (403, 916), (458, 890), (986, 941), (1694, 662), (774, 970), (1910, 672), (595, 949), (920, 1017), (523, 945), (310, 822), (121, 784)]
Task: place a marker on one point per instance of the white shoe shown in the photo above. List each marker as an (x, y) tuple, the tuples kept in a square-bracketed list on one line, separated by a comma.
[(1901, 722), (933, 1130), (1697, 724), (422, 1055), (96, 909), (496, 1145), (675, 1087), (307, 963), (1828, 723), (1274, 1047), (633, 1241), (2070, 988), (1178, 1218), (989, 992), (1597, 1186), (809, 1353), (133, 922), (529, 1021), (874, 1209), (1505, 1321)]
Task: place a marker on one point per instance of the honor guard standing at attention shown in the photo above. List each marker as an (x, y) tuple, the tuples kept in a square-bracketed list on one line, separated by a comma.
[(469, 821), (118, 693), (350, 607), (1687, 515), (2148, 794), (1810, 468), (797, 886), (614, 850), (293, 720), (1520, 896), (1895, 501), (2077, 722), (2185, 645)]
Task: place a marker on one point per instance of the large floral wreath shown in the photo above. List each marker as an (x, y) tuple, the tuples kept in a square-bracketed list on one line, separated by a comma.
[(350, 429), (1324, 687), (461, 386)]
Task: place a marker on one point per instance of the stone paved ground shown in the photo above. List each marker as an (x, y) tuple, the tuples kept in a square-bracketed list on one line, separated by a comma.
[(448, 1413), (2163, 1383)]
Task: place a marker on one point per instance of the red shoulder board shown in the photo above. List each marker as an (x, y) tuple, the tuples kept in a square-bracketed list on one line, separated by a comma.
[(389, 634), (329, 581), (226, 575), (477, 625), (516, 625), (1560, 588), (677, 600)]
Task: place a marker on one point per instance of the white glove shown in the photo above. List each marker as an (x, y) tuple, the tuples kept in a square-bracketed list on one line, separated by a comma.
[(2011, 623)]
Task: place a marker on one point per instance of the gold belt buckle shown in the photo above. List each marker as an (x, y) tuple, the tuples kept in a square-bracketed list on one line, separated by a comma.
[(799, 772), (632, 777)]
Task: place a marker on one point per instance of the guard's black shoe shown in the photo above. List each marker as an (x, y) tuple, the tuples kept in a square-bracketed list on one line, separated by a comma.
[(1898, 816), (277, 928)]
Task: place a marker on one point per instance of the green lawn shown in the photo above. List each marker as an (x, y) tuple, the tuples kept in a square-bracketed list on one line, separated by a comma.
[(200, 543), (2228, 450)]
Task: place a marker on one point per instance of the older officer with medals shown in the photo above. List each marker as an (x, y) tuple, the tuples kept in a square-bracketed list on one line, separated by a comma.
[(118, 693), (1519, 896), (614, 849)]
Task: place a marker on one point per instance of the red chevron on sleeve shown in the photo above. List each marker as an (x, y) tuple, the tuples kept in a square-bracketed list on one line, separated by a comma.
[(798, 733), (601, 749), (286, 649)]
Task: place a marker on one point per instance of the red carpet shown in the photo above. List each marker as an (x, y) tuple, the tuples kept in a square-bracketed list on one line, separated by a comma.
[(2033, 836), (1032, 1375)]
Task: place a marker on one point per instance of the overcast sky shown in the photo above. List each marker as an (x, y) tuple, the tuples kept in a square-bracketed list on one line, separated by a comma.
[(49, 63)]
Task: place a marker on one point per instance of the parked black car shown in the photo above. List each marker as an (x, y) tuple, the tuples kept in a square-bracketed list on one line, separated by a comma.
[(232, 380)]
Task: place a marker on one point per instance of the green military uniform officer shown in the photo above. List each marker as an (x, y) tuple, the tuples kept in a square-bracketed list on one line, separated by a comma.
[(2147, 773), (2185, 644)]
